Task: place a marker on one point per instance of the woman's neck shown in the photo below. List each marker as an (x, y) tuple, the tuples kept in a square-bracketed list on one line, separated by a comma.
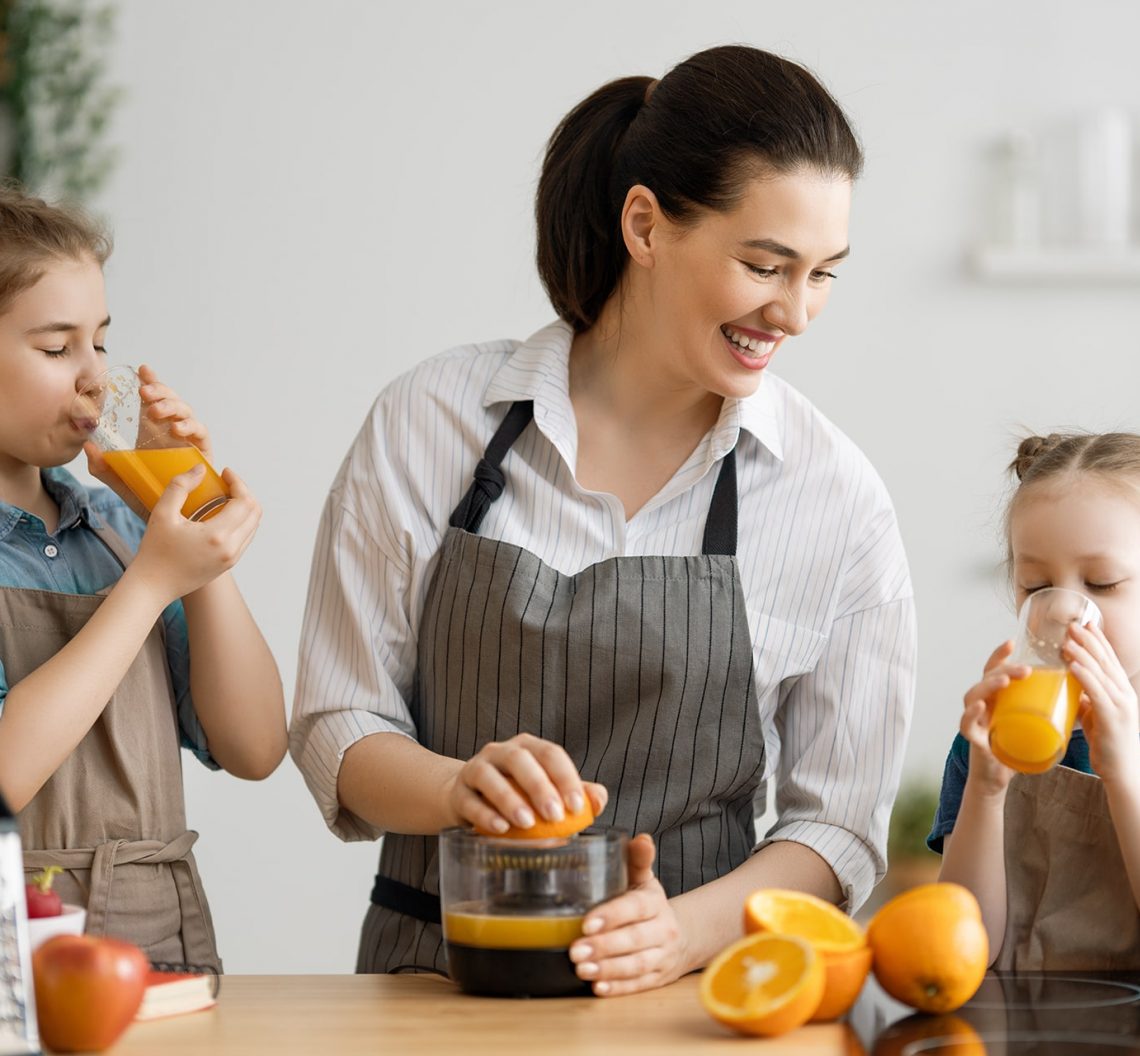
[(639, 419), (619, 369)]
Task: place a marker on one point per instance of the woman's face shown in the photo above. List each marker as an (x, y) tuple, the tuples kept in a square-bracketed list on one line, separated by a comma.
[(730, 288), (1083, 533)]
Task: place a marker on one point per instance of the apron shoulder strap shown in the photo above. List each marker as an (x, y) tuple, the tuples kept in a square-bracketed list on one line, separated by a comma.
[(489, 478), (489, 481), (111, 539), (720, 526)]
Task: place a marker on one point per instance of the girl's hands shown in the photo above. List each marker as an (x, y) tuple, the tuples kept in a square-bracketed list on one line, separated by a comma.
[(1108, 708), (162, 404), (178, 556), (978, 703), (633, 942), (480, 794)]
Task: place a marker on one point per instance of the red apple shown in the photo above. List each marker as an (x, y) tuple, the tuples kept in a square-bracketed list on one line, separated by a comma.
[(87, 990)]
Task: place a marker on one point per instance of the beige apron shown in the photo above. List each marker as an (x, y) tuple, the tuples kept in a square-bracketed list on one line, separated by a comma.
[(113, 815), (1069, 904)]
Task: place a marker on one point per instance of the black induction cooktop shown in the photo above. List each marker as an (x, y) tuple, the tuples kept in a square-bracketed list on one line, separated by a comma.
[(1022, 1014)]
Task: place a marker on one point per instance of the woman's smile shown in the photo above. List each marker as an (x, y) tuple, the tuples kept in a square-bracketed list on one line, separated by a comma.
[(751, 348)]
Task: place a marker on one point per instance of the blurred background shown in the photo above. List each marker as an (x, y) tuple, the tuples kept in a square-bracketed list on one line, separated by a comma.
[(309, 199)]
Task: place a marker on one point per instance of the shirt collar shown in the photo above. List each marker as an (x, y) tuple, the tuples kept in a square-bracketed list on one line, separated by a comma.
[(539, 370), (69, 495)]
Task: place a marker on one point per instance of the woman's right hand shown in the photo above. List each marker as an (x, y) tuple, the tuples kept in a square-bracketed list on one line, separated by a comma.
[(479, 793), (177, 556), (978, 705)]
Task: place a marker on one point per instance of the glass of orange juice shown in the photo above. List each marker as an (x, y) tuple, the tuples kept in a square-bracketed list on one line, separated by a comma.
[(1033, 717), (143, 452)]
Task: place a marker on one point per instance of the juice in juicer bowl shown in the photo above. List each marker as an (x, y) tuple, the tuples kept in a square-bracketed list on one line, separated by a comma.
[(511, 908)]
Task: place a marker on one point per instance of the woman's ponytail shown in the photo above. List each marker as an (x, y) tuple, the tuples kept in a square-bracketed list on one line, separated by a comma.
[(580, 254)]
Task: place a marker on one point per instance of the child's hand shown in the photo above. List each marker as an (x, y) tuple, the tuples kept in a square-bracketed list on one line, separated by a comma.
[(1108, 709), (162, 404), (978, 705), (633, 942), (178, 556)]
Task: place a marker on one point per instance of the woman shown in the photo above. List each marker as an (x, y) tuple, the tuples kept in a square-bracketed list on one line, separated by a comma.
[(667, 577)]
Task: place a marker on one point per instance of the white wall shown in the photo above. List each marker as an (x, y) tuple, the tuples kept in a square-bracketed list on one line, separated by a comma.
[(313, 197)]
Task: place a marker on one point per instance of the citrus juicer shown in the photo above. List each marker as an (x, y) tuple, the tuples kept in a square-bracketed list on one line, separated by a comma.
[(512, 907)]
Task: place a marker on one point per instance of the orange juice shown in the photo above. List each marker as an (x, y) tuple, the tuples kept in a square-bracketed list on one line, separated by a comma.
[(1033, 718), (515, 955), (147, 471)]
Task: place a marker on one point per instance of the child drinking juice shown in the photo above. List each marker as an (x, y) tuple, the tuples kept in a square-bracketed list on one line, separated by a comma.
[(122, 633), (1054, 857)]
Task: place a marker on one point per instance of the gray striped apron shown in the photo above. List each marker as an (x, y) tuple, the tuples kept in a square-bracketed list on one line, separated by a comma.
[(640, 667)]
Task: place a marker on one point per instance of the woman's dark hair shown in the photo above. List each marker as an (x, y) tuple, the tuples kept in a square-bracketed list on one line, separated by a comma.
[(693, 138)]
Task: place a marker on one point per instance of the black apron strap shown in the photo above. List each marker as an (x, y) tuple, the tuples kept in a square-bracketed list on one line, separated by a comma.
[(411, 901), (720, 526), (489, 478)]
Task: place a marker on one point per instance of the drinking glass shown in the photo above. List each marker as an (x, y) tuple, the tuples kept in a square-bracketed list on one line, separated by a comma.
[(1033, 717), (143, 452)]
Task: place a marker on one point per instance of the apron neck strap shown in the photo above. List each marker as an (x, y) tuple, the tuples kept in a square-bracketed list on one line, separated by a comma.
[(112, 541), (720, 525), (489, 481)]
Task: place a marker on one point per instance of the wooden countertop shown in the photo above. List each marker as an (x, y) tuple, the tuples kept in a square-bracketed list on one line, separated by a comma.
[(341, 1015)]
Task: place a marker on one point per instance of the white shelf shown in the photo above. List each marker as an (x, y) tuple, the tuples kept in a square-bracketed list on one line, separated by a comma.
[(1057, 264)]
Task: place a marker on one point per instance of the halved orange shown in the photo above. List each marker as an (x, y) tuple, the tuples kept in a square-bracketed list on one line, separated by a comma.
[(846, 971), (838, 939), (764, 984), (573, 821), (825, 926)]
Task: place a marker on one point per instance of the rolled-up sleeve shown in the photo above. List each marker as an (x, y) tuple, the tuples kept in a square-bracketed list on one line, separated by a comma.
[(357, 656), (842, 727)]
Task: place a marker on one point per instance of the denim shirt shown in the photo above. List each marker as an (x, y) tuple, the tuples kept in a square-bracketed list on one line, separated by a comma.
[(957, 769), (75, 561)]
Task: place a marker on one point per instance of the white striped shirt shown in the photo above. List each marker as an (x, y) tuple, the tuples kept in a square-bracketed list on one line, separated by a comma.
[(830, 607)]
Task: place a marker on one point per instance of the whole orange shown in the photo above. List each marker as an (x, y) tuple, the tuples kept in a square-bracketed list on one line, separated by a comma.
[(929, 947)]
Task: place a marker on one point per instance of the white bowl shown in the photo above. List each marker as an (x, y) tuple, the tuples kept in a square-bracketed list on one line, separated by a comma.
[(70, 922)]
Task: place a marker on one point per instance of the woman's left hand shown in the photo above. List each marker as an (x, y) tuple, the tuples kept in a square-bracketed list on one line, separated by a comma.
[(1108, 710), (633, 942)]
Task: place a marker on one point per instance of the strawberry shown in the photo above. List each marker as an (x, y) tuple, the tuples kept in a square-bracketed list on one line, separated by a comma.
[(42, 900)]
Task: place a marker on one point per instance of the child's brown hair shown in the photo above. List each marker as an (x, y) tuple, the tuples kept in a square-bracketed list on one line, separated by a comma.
[(1044, 458), (33, 234)]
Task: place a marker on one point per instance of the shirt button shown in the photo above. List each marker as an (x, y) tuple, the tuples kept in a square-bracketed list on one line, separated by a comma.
[(51, 550)]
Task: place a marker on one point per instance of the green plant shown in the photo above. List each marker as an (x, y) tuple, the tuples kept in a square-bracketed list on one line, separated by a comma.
[(911, 820), (54, 101)]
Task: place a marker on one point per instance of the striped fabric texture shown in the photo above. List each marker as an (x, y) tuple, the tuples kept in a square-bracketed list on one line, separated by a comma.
[(826, 587), (640, 667)]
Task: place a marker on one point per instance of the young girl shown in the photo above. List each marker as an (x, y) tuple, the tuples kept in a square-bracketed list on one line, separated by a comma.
[(1054, 859), (104, 672)]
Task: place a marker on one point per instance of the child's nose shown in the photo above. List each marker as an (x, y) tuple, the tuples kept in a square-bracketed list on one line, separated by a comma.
[(91, 365)]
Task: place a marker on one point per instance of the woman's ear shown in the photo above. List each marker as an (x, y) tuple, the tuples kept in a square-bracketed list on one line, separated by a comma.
[(641, 220)]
